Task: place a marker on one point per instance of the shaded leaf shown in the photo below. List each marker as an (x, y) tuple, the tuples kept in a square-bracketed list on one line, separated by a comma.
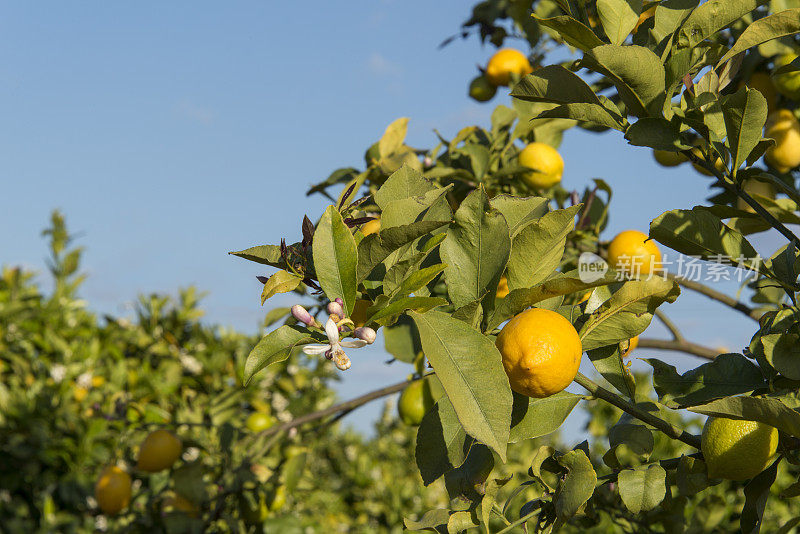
[(618, 17), (335, 258), (642, 489), (763, 30), (769, 410), (533, 418)]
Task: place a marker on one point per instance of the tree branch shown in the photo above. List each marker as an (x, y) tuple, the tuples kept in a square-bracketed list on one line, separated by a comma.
[(716, 295), (680, 346), (672, 327), (652, 420)]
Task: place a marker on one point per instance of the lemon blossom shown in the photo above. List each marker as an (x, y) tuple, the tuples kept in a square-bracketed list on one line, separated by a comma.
[(333, 350)]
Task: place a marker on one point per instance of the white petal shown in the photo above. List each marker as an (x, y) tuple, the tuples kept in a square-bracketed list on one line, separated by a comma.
[(353, 344), (332, 331), (315, 348)]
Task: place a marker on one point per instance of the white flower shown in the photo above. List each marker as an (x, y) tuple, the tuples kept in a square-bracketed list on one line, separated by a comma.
[(58, 372), (190, 363), (333, 350), (85, 380)]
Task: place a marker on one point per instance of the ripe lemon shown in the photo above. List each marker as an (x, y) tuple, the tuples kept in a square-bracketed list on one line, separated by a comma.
[(666, 158), (359, 315), (788, 83), (481, 89), (547, 162), (258, 422), (415, 401), (719, 163), (79, 393), (98, 381), (541, 352), (737, 450), (785, 129), (502, 288), (646, 14), (159, 450), (632, 253), (113, 490), (371, 227), (755, 187), (632, 344), (505, 63), (761, 82)]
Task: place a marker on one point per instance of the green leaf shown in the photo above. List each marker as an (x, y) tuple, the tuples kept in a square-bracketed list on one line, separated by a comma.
[(375, 248), (712, 16), (275, 347), (533, 418), (573, 31), (756, 494), (403, 183), (519, 211), (782, 351), (669, 15), (491, 489), (577, 486), (591, 114), (745, 113), (442, 444), (537, 248), (463, 480), (335, 258), (763, 30), (608, 362), (637, 73), (627, 313), (378, 314), (691, 476), (727, 374), (408, 210), (476, 251), (656, 133), (429, 521), (619, 18), (263, 254), (470, 369), (638, 438), (280, 282), (554, 83), (642, 489), (401, 340), (393, 137), (769, 410)]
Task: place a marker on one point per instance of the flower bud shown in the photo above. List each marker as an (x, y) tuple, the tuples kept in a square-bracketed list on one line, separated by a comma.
[(334, 308), (366, 333), (338, 301), (302, 315)]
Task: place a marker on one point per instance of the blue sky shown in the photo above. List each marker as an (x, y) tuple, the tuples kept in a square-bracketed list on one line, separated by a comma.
[(171, 134)]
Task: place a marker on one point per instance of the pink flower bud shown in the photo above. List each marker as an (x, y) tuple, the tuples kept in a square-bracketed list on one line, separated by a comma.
[(338, 301), (302, 315), (366, 333), (334, 308)]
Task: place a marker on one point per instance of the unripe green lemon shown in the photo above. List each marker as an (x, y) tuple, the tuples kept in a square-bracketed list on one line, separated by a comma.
[(159, 450), (666, 158), (788, 83), (258, 422), (737, 450), (414, 403), (481, 89)]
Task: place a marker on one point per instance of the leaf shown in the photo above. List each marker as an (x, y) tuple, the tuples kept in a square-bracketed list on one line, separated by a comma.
[(430, 520), (691, 476), (335, 258), (638, 438), (442, 443), (656, 133), (642, 489), (727, 374), (519, 211), (745, 113), (767, 410), (619, 17), (637, 73), (393, 137), (396, 307), (537, 248), (608, 362), (534, 418), (463, 480), (628, 312), (554, 83), (470, 369), (712, 16), (403, 183), (492, 487), (401, 340), (280, 282), (375, 248), (408, 210), (476, 251), (273, 348), (573, 31), (756, 494), (577, 486), (591, 114), (782, 351), (263, 254)]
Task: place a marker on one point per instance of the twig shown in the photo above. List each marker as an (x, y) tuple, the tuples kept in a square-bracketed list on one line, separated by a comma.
[(716, 295), (652, 420), (672, 327), (586, 207), (679, 346)]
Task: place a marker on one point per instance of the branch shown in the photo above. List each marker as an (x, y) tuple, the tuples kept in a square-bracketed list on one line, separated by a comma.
[(652, 420), (346, 406), (680, 346), (716, 295), (672, 327)]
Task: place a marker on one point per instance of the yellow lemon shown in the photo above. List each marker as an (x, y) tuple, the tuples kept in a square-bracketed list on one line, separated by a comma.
[(547, 163), (79, 393), (502, 288), (784, 128), (506, 63), (541, 352), (371, 227), (481, 89), (631, 253), (788, 83), (737, 450), (761, 82), (755, 187), (159, 450), (632, 344), (646, 14), (719, 163), (113, 490)]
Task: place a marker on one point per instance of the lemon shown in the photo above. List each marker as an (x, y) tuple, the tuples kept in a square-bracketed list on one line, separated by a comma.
[(505, 64), (737, 450), (541, 352), (502, 288), (784, 128), (415, 401), (79, 393), (258, 422), (547, 163), (755, 187), (159, 450), (113, 490), (481, 89), (632, 253), (788, 83), (761, 82), (719, 163), (371, 227), (646, 14), (632, 344), (666, 158)]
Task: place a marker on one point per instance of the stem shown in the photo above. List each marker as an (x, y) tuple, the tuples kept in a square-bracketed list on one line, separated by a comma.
[(652, 420), (716, 295), (586, 208), (672, 327), (680, 346), (518, 522)]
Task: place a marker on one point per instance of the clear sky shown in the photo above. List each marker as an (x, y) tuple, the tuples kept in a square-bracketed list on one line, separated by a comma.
[(171, 133)]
